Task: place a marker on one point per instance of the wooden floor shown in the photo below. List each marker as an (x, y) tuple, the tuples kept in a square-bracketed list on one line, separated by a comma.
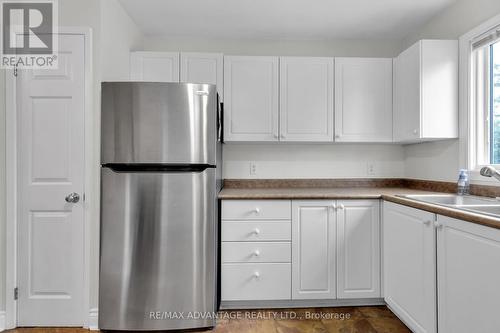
[(374, 319)]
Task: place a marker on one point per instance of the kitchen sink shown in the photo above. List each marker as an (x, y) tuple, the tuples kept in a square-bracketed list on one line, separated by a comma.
[(454, 200), (488, 210)]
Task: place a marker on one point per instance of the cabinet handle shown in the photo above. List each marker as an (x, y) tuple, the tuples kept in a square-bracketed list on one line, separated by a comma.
[(256, 231), (256, 253), (256, 275)]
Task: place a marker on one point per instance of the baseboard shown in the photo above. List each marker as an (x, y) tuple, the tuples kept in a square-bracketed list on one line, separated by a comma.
[(287, 304), (93, 323), (2, 321)]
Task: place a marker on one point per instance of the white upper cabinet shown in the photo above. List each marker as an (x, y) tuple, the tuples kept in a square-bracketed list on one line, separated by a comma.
[(313, 249), (251, 98), (363, 100), (426, 92), (358, 249), (202, 68), (468, 275), (154, 66), (409, 252), (306, 99)]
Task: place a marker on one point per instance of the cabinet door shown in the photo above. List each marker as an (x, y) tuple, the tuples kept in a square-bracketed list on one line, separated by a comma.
[(313, 250), (251, 98), (202, 68), (358, 249), (363, 99), (406, 123), (410, 266), (154, 66), (468, 277), (306, 99)]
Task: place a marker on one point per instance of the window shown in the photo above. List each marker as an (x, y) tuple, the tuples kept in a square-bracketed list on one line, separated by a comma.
[(494, 116), (485, 120)]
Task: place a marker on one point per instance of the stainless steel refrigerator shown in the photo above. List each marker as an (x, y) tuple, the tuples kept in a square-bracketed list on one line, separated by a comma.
[(160, 175)]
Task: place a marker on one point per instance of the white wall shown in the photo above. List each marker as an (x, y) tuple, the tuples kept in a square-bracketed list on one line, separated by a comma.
[(360, 48), (440, 160), (119, 35), (2, 190), (313, 161)]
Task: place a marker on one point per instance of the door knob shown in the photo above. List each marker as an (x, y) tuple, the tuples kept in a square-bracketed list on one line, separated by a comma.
[(72, 197)]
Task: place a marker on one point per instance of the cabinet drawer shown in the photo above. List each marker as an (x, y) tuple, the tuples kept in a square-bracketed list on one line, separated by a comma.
[(256, 209), (256, 252), (256, 231), (255, 282)]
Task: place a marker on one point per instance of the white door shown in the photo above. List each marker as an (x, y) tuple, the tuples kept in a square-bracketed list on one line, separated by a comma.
[(409, 252), (313, 249), (306, 99), (468, 276), (358, 249), (363, 99), (202, 68), (406, 122), (51, 166), (251, 98), (154, 66)]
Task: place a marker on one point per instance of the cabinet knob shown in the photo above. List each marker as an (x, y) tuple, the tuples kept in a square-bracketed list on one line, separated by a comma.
[(437, 225), (256, 253), (333, 206), (415, 131), (275, 136), (256, 210), (341, 206), (427, 222), (283, 136), (256, 275), (256, 231), (337, 136)]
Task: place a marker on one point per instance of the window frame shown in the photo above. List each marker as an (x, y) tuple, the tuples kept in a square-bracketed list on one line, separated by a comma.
[(473, 144)]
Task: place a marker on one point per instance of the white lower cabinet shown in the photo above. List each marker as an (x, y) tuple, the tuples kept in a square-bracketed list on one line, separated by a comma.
[(468, 277), (409, 252), (313, 249), (358, 249), (263, 281), (300, 250)]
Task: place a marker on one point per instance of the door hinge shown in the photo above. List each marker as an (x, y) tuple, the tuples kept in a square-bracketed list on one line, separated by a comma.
[(16, 293)]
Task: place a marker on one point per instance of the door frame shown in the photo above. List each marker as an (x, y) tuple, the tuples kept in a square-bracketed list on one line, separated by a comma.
[(12, 183)]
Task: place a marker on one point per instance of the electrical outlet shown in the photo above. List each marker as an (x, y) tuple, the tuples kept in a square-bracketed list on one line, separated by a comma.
[(253, 169), (370, 169)]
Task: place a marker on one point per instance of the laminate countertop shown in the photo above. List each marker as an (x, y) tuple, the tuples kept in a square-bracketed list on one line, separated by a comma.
[(392, 194)]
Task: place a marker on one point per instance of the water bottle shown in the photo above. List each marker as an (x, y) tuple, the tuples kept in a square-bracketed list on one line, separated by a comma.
[(463, 182)]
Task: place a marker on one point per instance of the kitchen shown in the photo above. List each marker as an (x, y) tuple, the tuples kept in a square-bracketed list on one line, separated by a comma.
[(321, 172)]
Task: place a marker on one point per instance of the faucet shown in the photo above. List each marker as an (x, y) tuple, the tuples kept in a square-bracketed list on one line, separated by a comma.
[(489, 171)]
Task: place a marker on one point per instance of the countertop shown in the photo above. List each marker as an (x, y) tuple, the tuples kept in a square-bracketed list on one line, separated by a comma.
[(385, 193)]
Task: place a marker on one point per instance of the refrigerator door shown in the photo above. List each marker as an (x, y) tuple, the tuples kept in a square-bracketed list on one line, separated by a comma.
[(158, 250), (158, 123)]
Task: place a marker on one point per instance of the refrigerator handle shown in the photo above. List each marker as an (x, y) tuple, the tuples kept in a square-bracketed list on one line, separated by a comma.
[(220, 119)]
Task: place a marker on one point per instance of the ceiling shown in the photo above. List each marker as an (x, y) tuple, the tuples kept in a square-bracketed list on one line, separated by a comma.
[(283, 19)]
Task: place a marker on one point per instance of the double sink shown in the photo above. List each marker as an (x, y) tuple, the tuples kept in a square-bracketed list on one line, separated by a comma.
[(474, 204)]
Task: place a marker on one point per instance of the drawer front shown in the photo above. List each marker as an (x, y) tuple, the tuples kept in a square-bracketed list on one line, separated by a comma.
[(256, 252), (256, 231), (256, 209), (255, 282)]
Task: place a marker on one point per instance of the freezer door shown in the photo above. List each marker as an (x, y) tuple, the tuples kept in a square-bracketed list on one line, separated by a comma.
[(158, 123), (158, 250)]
